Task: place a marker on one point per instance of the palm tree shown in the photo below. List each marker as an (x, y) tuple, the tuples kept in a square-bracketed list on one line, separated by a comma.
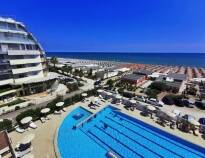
[(54, 61)]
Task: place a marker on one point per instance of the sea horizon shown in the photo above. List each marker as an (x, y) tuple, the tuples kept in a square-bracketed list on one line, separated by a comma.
[(175, 59)]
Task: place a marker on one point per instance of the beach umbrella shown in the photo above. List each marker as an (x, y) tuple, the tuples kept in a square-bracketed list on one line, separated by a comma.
[(177, 112), (99, 90), (171, 114), (45, 111), (84, 94), (202, 121), (108, 93), (194, 122), (60, 104), (133, 101), (189, 117), (151, 108), (191, 101), (28, 138), (118, 97), (95, 99), (26, 120)]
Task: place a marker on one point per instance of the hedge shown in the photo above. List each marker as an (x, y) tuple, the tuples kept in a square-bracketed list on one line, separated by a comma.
[(6, 125), (152, 93), (36, 114)]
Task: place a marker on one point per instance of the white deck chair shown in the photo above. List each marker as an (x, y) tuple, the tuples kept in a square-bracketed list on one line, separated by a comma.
[(19, 130), (33, 125)]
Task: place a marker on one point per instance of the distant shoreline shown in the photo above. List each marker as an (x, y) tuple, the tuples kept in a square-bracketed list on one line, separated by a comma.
[(166, 59)]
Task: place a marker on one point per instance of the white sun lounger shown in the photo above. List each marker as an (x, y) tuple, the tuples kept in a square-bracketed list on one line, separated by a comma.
[(22, 153), (43, 120), (57, 112), (48, 117), (19, 130), (33, 125), (64, 109)]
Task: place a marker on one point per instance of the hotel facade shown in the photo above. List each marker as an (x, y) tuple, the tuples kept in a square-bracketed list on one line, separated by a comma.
[(21, 56)]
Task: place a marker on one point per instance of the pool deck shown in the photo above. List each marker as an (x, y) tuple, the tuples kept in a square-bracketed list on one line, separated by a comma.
[(44, 144)]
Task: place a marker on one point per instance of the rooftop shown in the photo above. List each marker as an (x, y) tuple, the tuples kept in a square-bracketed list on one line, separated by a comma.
[(10, 20), (177, 76), (132, 77), (142, 72)]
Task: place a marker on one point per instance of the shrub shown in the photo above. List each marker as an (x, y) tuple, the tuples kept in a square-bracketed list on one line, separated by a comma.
[(168, 99), (52, 104), (6, 125), (17, 108), (152, 93), (34, 113), (160, 86)]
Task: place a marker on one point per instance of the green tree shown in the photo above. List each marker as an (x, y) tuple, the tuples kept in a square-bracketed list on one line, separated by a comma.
[(54, 61), (110, 83)]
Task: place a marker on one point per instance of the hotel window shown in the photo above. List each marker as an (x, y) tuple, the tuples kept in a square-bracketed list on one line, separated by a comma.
[(29, 47), (11, 26), (21, 28), (13, 46), (23, 47), (3, 25)]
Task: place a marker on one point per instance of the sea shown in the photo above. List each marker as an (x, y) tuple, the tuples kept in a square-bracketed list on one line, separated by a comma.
[(178, 59)]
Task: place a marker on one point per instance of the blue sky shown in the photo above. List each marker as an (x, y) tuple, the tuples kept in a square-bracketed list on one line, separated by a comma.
[(113, 25)]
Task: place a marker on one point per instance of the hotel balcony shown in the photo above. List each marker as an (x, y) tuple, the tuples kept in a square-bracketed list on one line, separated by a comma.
[(27, 78), (25, 61), (27, 69), (13, 31), (24, 52), (7, 81)]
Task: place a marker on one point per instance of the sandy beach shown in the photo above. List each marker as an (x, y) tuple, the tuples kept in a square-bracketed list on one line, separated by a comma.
[(191, 72)]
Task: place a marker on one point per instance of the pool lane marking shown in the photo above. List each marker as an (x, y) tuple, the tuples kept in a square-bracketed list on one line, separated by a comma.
[(93, 139), (133, 140), (105, 144), (119, 142), (145, 137), (158, 135)]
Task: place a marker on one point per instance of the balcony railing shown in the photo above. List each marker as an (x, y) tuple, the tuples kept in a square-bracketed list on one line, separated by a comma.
[(27, 69), (24, 52), (25, 61)]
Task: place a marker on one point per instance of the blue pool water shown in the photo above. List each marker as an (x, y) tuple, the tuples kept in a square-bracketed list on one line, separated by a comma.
[(125, 136)]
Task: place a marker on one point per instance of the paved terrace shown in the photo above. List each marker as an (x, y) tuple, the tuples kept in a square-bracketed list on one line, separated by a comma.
[(42, 102), (43, 143)]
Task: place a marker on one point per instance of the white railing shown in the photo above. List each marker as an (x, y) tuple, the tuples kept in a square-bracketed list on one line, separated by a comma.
[(23, 52), (27, 69), (4, 82), (25, 61)]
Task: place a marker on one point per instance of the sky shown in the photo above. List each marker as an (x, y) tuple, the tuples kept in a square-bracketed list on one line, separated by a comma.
[(112, 25)]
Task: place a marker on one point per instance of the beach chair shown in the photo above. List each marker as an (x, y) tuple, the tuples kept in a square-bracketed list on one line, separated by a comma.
[(48, 117), (19, 130), (57, 112), (43, 120), (64, 109), (32, 125), (22, 153)]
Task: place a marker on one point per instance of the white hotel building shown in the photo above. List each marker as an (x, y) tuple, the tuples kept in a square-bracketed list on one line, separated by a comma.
[(21, 56), (22, 61)]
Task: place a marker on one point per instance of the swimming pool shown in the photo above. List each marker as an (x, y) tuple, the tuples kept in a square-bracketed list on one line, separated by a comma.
[(125, 136)]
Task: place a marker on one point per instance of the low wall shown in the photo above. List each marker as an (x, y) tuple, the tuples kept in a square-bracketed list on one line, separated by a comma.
[(7, 109)]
